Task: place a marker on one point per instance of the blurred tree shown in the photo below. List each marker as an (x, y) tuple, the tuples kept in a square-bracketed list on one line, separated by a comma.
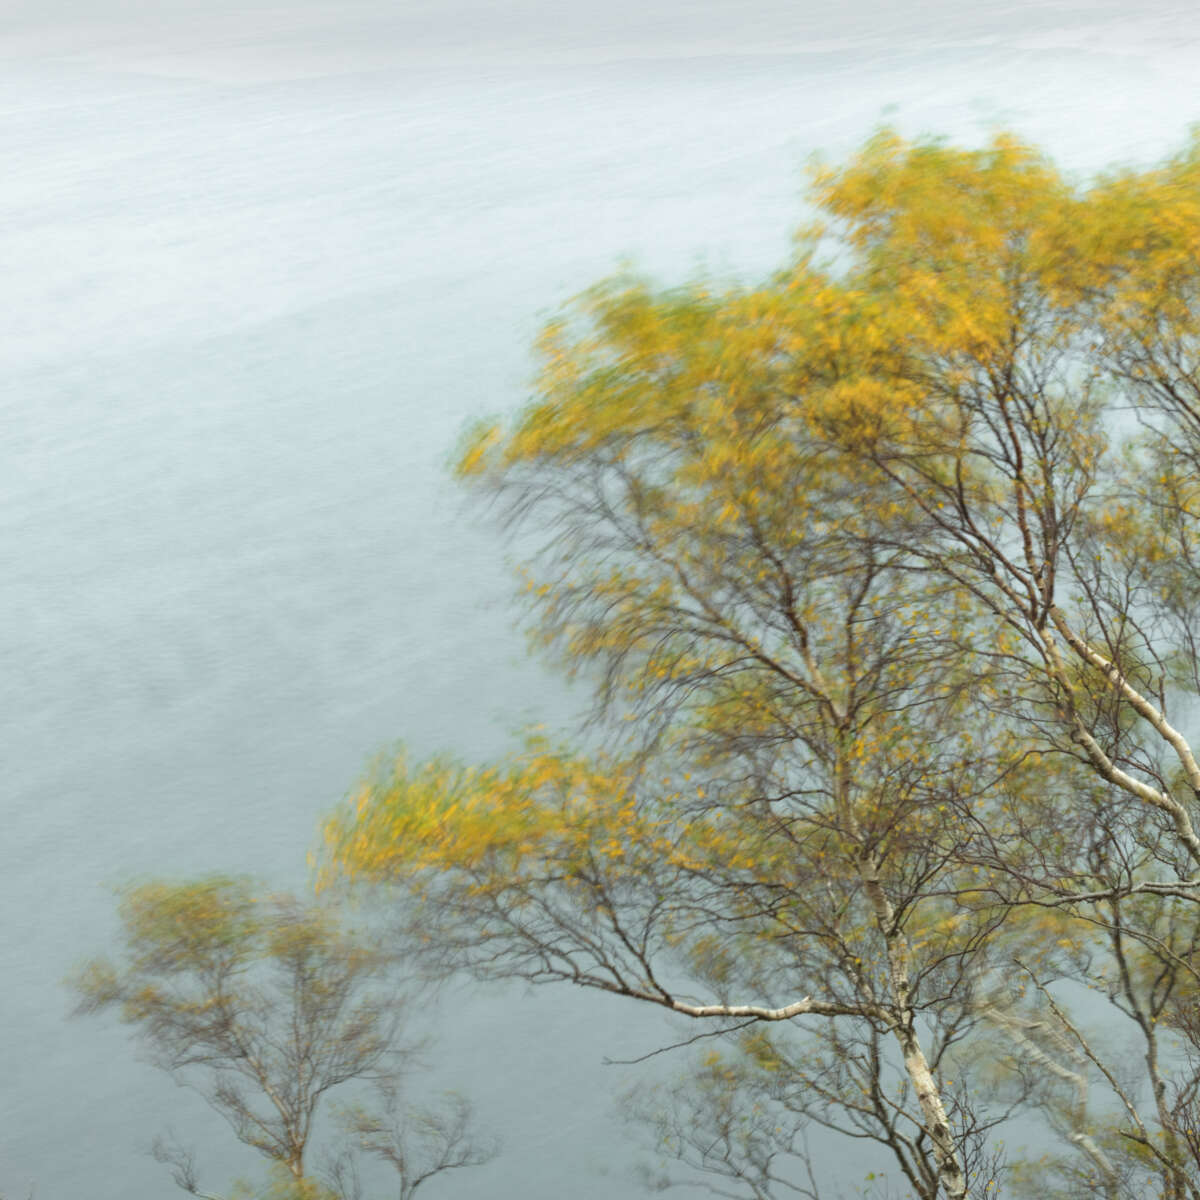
[(885, 574), (262, 1005)]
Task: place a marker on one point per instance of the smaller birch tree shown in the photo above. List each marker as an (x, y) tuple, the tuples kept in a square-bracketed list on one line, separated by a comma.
[(263, 1005)]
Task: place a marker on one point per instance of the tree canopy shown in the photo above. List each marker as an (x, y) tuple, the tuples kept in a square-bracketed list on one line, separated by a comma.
[(885, 573)]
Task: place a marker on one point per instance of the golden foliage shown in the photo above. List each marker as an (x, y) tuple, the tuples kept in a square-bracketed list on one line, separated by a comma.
[(886, 594)]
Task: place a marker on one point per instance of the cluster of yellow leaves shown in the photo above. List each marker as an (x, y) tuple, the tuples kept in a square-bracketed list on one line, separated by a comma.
[(537, 817), (955, 254), (174, 925)]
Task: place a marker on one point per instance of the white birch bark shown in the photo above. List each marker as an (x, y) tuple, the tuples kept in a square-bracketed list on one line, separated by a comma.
[(951, 1175)]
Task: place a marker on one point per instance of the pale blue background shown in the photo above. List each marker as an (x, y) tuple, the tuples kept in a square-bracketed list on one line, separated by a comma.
[(259, 265)]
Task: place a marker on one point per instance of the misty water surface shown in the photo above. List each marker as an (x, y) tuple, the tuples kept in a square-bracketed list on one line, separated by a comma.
[(260, 264)]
